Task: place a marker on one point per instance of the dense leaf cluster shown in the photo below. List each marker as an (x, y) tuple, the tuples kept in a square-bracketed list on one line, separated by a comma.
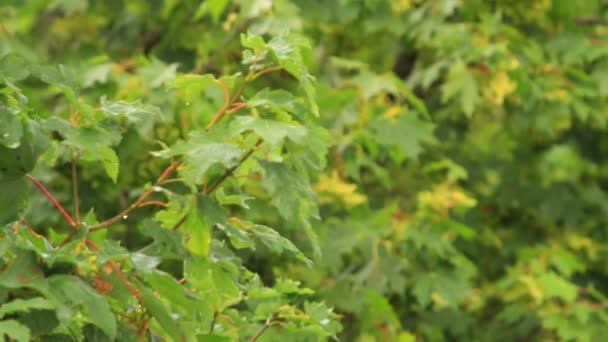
[(303, 170)]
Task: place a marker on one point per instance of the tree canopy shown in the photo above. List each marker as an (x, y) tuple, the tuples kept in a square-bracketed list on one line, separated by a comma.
[(303, 170)]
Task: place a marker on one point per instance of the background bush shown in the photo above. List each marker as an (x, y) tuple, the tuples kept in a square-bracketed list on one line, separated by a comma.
[(290, 170)]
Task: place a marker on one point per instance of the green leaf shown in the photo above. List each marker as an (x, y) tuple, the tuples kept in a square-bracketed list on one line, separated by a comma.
[(94, 334), (201, 152), (287, 50), (278, 100), (24, 305), (217, 283), (40, 322), (290, 193), (109, 160), (94, 145), (443, 287), (161, 314), (156, 73), (175, 293), (276, 243), (461, 84), (239, 238), (193, 85), (197, 233), (24, 272), (205, 214), (213, 7), (273, 132), (14, 330), (213, 338), (70, 289), (556, 286), (14, 67), (177, 207), (19, 158), (240, 199), (97, 74), (406, 133), (379, 310), (13, 199), (141, 116), (11, 128), (144, 263)]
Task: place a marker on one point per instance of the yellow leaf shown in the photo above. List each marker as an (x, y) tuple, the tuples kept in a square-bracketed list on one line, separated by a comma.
[(439, 301), (443, 197), (399, 6), (533, 288), (557, 94), (500, 86), (513, 63), (333, 186), (392, 112), (406, 336)]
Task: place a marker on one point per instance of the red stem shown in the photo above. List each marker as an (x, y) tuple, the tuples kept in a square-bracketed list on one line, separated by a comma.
[(52, 199), (91, 244)]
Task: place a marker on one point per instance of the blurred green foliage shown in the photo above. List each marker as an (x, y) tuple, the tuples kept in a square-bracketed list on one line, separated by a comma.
[(290, 170)]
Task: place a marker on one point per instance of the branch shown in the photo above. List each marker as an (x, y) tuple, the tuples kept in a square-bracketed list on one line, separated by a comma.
[(231, 170), (212, 326), (114, 265), (179, 223), (29, 227), (52, 199), (137, 202), (222, 178), (590, 20), (259, 333), (220, 113), (267, 70), (153, 202), (75, 197)]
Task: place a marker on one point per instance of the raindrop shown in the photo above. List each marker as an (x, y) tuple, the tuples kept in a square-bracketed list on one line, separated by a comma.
[(124, 217), (187, 104), (157, 188)]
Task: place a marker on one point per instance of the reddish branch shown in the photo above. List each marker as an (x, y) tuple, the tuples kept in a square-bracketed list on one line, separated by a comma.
[(220, 113), (138, 203), (53, 200), (231, 170)]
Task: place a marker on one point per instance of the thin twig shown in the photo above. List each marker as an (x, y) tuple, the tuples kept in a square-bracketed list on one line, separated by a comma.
[(222, 178), (116, 268), (231, 170), (153, 202), (212, 326), (179, 223), (218, 116), (267, 70), (259, 333), (75, 196), (52, 199), (69, 238), (29, 227), (137, 202), (220, 113)]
